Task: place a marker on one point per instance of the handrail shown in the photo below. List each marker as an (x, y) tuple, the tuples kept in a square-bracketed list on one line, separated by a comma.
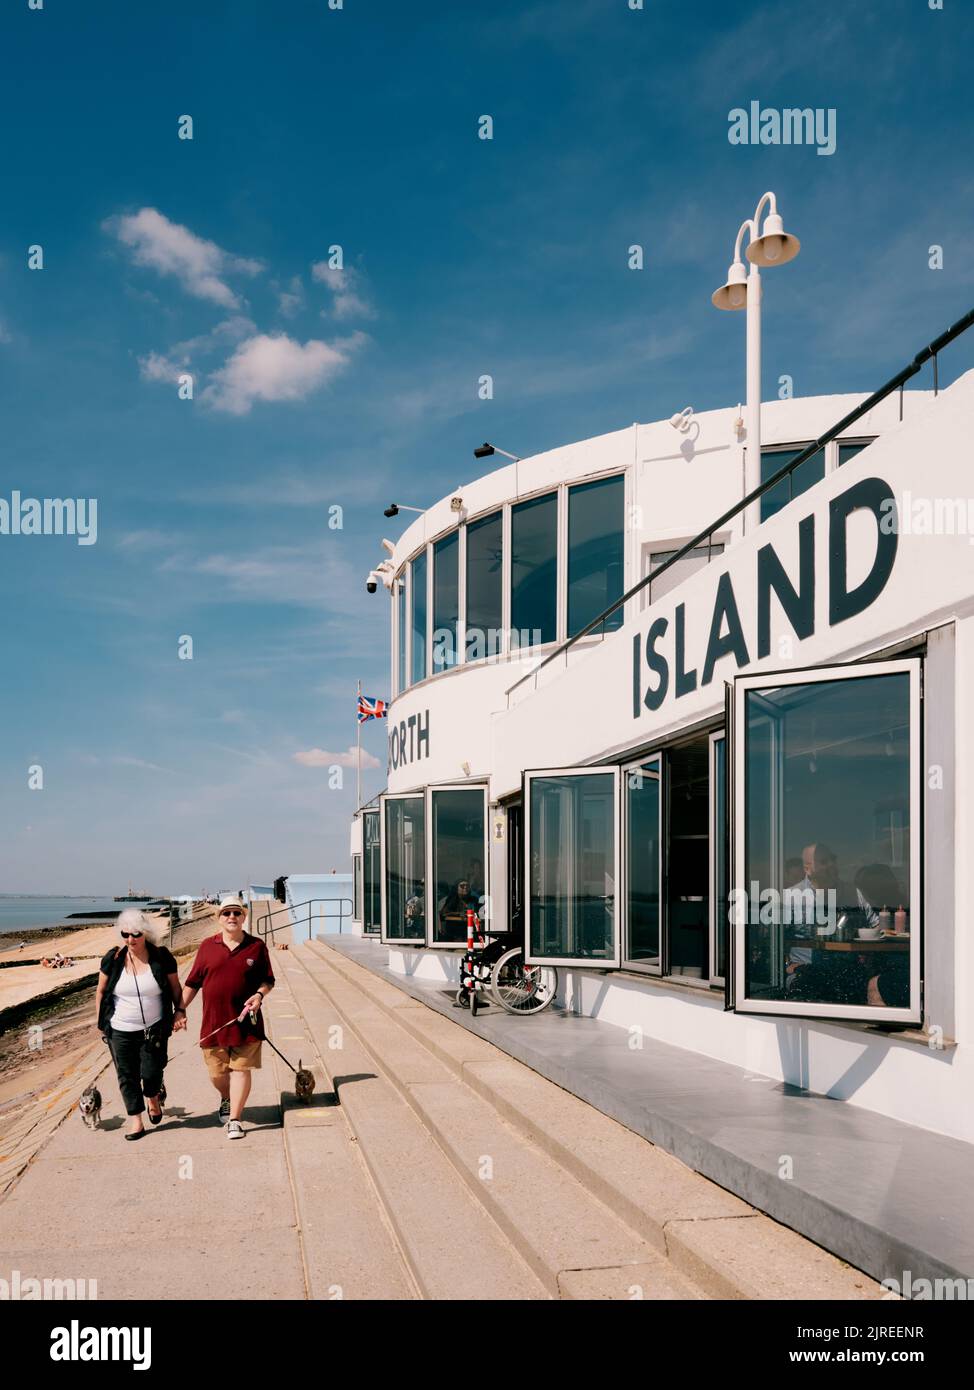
[(895, 382), (289, 909)]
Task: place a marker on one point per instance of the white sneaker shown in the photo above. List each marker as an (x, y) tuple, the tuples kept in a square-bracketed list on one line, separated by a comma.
[(235, 1129)]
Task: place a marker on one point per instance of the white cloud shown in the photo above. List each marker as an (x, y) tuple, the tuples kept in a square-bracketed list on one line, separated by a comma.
[(168, 366), (200, 266), (274, 367), (291, 300), (349, 299), (320, 757)]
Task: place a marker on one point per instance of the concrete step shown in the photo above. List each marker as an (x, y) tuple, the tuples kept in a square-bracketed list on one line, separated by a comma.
[(560, 1228), (349, 1250), (722, 1244), (436, 1221)]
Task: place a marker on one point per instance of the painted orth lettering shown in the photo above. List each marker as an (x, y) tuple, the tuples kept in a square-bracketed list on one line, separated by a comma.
[(403, 751)]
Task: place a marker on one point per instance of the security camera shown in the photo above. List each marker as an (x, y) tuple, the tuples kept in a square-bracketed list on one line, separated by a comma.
[(456, 504), (372, 583), (392, 510)]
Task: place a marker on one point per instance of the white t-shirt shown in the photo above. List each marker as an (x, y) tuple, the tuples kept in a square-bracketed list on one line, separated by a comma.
[(127, 1017)]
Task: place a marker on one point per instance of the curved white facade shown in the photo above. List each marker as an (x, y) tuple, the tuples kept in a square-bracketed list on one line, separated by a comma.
[(824, 600)]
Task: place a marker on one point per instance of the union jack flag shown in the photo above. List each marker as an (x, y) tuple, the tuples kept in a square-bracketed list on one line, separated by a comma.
[(371, 708)]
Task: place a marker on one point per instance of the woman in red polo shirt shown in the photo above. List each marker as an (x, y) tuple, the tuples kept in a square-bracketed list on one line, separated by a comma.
[(233, 969)]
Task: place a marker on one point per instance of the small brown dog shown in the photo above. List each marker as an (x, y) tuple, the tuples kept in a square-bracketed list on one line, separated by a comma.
[(304, 1083)]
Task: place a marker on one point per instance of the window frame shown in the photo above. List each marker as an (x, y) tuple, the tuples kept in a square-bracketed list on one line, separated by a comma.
[(358, 894), (570, 962), (642, 967), (384, 799), (716, 736), (858, 1013), (377, 812), (431, 792)]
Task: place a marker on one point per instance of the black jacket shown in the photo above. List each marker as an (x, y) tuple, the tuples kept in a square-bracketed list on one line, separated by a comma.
[(162, 963)]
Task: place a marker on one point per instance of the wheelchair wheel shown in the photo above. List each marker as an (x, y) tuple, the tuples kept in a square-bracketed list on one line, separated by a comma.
[(520, 988)]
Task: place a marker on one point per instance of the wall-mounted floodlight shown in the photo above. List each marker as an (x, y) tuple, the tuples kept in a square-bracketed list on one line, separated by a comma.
[(394, 508), (485, 450)]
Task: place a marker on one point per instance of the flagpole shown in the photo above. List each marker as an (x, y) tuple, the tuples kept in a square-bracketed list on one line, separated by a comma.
[(358, 760)]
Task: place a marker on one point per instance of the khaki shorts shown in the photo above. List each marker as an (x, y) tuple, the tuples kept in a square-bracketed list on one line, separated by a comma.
[(220, 1060)]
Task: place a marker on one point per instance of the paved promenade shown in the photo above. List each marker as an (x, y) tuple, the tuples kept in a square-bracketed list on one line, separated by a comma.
[(429, 1165)]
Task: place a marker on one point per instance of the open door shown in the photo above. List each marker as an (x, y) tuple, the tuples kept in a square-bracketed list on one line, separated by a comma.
[(571, 853)]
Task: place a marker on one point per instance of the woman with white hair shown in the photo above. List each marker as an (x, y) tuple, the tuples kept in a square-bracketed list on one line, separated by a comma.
[(138, 1005)]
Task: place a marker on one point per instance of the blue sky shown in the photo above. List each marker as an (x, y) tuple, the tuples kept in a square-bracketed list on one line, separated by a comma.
[(358, 127)]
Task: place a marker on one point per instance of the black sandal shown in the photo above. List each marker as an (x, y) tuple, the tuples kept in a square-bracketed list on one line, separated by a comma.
[(155, 1119), (139, 1134)]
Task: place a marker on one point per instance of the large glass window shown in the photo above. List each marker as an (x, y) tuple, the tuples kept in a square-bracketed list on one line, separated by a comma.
[(534, 571), (596, 551), (485, 578), (404, 903), (371, 873), (572, 866), (828, 770), (643, 811), (812, 471), (417, 586), (402, 675), (446, 601), (458, 859)]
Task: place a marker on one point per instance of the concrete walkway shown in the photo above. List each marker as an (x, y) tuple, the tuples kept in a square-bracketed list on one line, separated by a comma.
[(428, 1165), (185, 1213)]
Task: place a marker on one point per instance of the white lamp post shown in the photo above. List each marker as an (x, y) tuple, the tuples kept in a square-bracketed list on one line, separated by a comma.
[(742, 290)]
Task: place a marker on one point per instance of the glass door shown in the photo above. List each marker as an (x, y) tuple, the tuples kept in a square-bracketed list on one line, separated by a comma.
[(403, 846), (642, 796), (571, 853), (458, 840), (371, 873)]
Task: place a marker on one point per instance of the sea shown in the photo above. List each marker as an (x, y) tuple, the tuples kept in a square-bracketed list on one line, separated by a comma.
[(20, 913)]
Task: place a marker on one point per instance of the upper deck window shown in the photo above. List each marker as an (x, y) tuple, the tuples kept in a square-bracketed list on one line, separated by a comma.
[(446, 601), (812, 471), (485, 586), (417, 586), (596, 551), (534, 571)]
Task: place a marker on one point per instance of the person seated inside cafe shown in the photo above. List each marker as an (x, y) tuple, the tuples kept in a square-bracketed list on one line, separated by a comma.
[(815, 973), (453, 911)]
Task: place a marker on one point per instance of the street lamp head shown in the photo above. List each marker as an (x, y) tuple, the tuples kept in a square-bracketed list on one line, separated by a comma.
[(484, 452), (775, 246), (732, 295)]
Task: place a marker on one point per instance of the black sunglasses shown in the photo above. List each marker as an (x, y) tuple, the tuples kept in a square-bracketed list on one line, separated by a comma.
[(232, 912), (127, 934)]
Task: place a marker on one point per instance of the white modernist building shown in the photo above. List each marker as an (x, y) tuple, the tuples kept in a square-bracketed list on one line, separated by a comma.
[(735, 813)]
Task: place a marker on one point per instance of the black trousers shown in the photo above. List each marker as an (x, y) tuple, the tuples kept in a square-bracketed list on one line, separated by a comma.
[(139, 1065)]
